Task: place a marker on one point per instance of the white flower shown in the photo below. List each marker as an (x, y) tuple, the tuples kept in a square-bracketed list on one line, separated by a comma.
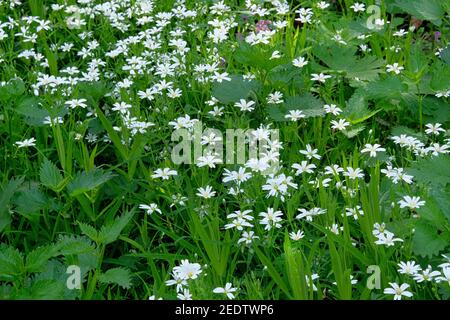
[(387, 239), (445, 275), (398, 291), (227, 290), (206, 192), (340, 125), (310, 152), (275, 55), (333, 109), (411, 202), (244, 105), (295, 115), (187, 270), (177, 280), (186, 295), (353, 173), (395, 68), (152, 207), (426, 275), (271, 219), (26, 143), (247, 237), (299, 62), (409, 267), (297, 235), (164, 173), (434, 128), (303, 167), (320, 77), (208, 160), (358, 7), (372, 149)]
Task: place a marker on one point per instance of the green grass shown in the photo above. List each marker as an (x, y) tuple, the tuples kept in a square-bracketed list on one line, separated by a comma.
[(73, 196)]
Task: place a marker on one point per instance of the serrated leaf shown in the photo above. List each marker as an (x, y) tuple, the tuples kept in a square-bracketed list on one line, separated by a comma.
[(29, 108), (7, 191), (391, 87), (430, 10), (50, 175), (71, 245), (255, 56), (86, 181), (119, 276), (37, 259), (89, 231), (432, 170), (110, 232), (428, 241), (30, 201), (11, 262), (344, 61), (357, 109), (42, 290), (232, 91)]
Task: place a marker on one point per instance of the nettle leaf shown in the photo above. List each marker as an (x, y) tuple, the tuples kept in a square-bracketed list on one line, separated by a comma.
[(232, 91), (37, 259), (119, 276), (48, 289), (50, 175), (11, 262), (353, 131), (89, 231), (307, 103), (257, 57), (30, 109), (87, 181), (72, 244), (344, 61), (432, 170), (390, 87), (7, 192), (445, 55), (111, 231), (30, 201), (430, 10), (357, 109), (13, 88), (428, 240)]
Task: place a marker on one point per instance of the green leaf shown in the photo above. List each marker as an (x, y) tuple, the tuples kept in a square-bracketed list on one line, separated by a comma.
[(29, 108), (119, 276), (445, 55), (391, 87), (50, 175), (111, 231), (11, 262), (257, 57), (87, 181), (71, 245), (42, 290), (307, 103), (7, 191), (89, 231), (357, 109), (232, 91), (344, 61), (430, 10), (431, 170), (37, 259), (429, 241)]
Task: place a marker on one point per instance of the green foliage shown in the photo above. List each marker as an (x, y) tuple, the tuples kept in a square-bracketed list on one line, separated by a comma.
[(119, 276), (232, 91)]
